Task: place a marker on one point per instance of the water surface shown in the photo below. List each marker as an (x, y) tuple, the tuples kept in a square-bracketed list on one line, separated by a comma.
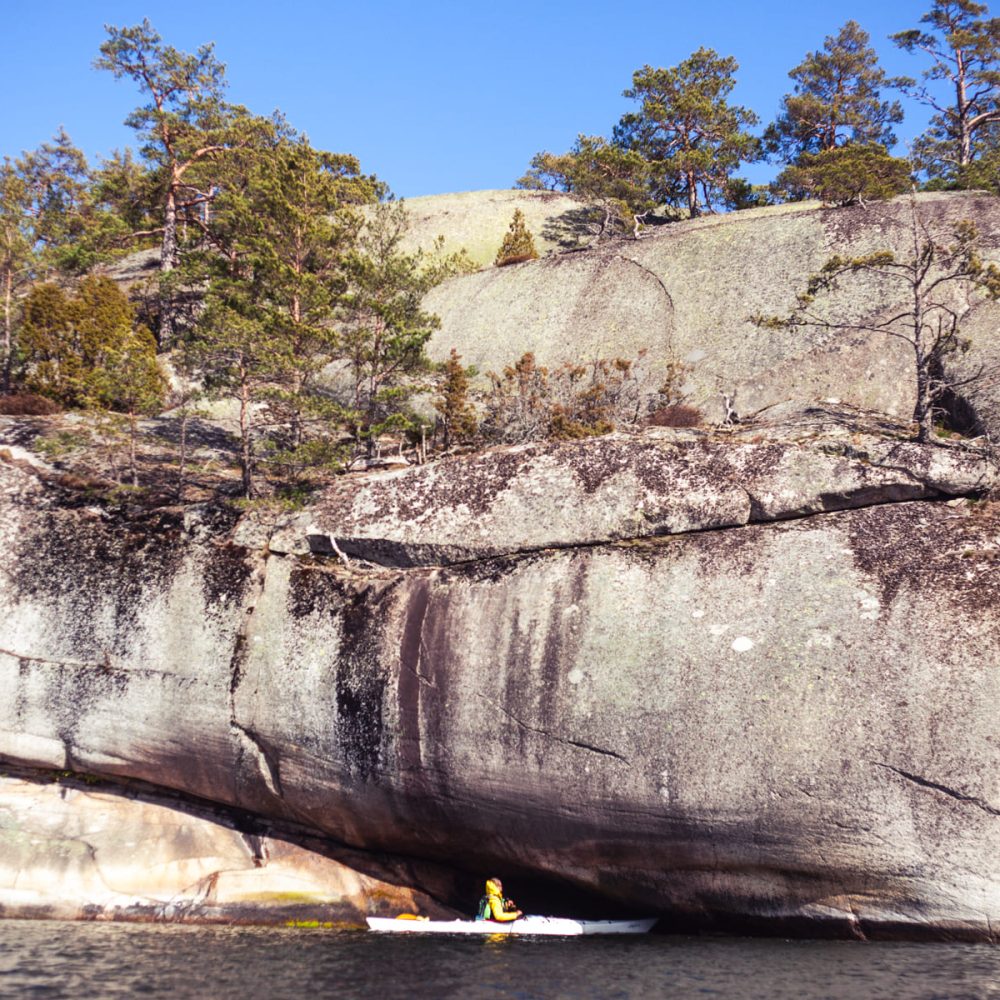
[(77, 960)]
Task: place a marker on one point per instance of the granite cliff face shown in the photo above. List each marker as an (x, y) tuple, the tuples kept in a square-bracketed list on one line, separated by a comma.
[(688, 289), (743, 677), (743, 680)]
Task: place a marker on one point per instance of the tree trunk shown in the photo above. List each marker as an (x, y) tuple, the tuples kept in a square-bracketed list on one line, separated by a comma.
[(8, 344), (182, 458), (692, 193), (923, 410), (245, 455), (131, 448), (168, 261)]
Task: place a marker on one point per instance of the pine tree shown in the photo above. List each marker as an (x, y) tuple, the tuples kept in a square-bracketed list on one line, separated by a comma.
[(285, 228), (384, 325), (17, 247), (687, 131), (836, 100), (518, 245), (186, 127), (964, 48), (235, 355), (602, 174), (131, 381), (458, 418), (846, 175)]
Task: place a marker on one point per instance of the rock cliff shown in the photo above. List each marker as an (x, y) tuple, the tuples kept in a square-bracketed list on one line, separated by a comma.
[(738, 680), (687, 290)]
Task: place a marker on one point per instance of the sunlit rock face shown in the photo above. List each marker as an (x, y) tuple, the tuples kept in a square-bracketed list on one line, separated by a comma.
[(772, 709), (619, 486), (688, 290), (86, 850)]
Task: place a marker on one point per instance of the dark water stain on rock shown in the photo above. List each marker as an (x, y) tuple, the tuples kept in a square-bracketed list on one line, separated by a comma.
[(411, 678), (361, 678), (225, 573), (929, 548), (313, 590), (80, 560)]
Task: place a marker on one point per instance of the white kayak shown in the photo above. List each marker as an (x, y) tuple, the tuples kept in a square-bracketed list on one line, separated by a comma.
[(524, 925)]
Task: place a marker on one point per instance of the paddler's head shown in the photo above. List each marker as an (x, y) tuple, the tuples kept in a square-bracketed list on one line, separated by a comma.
[(494, 887)]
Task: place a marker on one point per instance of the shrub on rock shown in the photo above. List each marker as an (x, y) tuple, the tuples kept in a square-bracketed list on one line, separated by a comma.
[(847, 174), (518, 245)]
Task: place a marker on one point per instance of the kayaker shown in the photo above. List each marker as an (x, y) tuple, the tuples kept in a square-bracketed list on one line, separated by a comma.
[(493, 906)]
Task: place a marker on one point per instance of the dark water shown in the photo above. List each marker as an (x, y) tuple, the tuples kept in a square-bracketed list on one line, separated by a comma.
[(49, 959)]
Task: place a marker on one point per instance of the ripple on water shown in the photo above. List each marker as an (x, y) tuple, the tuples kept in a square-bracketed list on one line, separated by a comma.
[(78, 960)]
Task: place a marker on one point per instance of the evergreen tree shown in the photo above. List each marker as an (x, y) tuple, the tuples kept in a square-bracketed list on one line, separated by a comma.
[(87, 351), (68, 343), (518, 245), (186, 127), (846, 175), (52, 358), (235, 355), (600, 173), (458, 418), (836, 100), (384, 325), (45, 223), (964, 48), (687, 131), (288, 225), (131, 381), (17, 248), (285, 221)]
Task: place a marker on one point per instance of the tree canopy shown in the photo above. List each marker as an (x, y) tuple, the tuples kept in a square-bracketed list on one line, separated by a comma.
[(686, 130), (964, 50), (836, 99)]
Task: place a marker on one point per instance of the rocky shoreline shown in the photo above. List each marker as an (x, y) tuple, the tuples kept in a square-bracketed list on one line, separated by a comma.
[(742, 681)]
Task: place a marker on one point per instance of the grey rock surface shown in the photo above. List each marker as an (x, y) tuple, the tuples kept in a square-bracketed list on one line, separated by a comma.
[(687, 290), (783, 726), (605, 489)]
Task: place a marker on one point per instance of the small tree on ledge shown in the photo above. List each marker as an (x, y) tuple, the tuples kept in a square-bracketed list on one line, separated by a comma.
[(458, 418), (518, 245)]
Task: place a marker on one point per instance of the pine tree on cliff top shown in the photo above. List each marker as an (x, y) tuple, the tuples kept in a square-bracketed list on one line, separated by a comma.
[(836, 100), (186, 127), (686, 129), (518, 245), (963, 43)]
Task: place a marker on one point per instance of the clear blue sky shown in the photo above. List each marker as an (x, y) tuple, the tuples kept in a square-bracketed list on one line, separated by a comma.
[(434, 96)]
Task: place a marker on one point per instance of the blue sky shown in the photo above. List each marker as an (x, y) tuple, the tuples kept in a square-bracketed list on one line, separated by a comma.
[(434, 96)]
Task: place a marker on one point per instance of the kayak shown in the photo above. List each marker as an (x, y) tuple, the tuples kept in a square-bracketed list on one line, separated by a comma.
[(524, 925)]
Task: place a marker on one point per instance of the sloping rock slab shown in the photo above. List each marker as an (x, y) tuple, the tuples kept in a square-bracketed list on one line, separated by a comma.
[(70, 853), (568, 494)]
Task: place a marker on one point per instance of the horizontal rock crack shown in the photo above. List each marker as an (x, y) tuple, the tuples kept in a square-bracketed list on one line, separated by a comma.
[(371, 559)]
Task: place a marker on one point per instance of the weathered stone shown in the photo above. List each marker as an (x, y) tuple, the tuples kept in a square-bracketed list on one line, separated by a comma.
[(80, 850), (605, 489), (688, 291), (774, 726)]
